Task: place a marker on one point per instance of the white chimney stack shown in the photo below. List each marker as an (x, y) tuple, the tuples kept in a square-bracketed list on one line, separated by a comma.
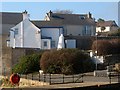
[(25, 15)]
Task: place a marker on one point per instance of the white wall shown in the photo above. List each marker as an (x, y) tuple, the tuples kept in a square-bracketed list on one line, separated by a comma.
[(98, 29), (27, 37), (54, 33)]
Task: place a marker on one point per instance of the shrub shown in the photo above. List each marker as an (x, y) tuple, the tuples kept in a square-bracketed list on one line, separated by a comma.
[(117, 67), (67, 61), (28, 64), (106, 47)]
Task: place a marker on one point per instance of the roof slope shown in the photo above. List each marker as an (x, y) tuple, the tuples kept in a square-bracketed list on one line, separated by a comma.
[(72, 19), (11, 18), (55, 23), (106, 23), (59, 20)]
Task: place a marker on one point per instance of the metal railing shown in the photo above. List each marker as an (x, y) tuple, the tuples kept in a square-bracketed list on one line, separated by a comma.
[(55, 78)]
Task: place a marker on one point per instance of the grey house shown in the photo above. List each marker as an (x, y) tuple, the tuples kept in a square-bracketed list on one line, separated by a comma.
[(73, 24)]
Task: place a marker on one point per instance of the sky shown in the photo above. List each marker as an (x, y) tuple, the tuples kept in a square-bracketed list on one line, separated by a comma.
[(107, 10)]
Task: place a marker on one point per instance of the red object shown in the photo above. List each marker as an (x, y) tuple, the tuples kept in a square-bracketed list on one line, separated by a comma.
[(14, 78)]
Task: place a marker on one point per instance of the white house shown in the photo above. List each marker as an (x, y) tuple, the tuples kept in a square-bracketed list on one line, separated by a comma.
[(25, 34), (105, 26)]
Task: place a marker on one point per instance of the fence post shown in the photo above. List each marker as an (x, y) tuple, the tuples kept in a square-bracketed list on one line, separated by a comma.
[(39, 76), (110, 77), (82, 77), (25, 76), (32, 76), (73, 78), (50, 79), (118, 77), (4, 72), (63, 78), (44, 77)]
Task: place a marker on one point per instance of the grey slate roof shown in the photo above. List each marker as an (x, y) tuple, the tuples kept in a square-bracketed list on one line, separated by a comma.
[(11, 18), (73, 19), (106, 23), (55, 23), (58, 20)]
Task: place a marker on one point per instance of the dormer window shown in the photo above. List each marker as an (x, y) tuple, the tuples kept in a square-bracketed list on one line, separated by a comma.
[(82, 17)]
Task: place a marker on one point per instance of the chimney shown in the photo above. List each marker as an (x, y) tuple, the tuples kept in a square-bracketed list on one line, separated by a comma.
[(89, 15), (50, 13), (25, 15)]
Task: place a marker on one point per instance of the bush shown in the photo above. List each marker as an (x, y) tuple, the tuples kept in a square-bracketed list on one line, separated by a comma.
[(106, 47), (114, 33), (28, 64), (66, 61), (117, 67)]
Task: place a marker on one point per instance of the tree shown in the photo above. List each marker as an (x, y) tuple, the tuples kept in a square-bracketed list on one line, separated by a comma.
[(117, 67), (102, 29), (114, 33), (103, 47), (63, 11), (101, 20), (106, 47), (115, 46), (28, 64)]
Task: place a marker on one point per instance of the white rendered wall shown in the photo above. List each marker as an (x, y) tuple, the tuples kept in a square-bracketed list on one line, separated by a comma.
[(28, 35), (54, 33), (98, 29)]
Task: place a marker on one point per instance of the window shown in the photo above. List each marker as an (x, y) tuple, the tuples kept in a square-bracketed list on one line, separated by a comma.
[(84, 30), (82, 17), (53, 44), (16, 31), (45, 43)]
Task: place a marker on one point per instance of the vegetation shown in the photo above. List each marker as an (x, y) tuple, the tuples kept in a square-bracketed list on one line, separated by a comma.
[(117, 67), (4, 82), (112, 59), (101, 20), (106, 47), (66, 61), (102, 29), (63, 11), (114, 33), (28, 64)]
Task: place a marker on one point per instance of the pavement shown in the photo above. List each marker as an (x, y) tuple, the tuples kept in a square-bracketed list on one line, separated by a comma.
[(70, 86)]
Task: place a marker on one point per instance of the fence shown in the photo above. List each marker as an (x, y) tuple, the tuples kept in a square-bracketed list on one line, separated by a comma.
[(54, 78), (114, 75)]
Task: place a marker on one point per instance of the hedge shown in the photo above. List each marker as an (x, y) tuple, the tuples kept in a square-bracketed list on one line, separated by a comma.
[(66, 61)]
